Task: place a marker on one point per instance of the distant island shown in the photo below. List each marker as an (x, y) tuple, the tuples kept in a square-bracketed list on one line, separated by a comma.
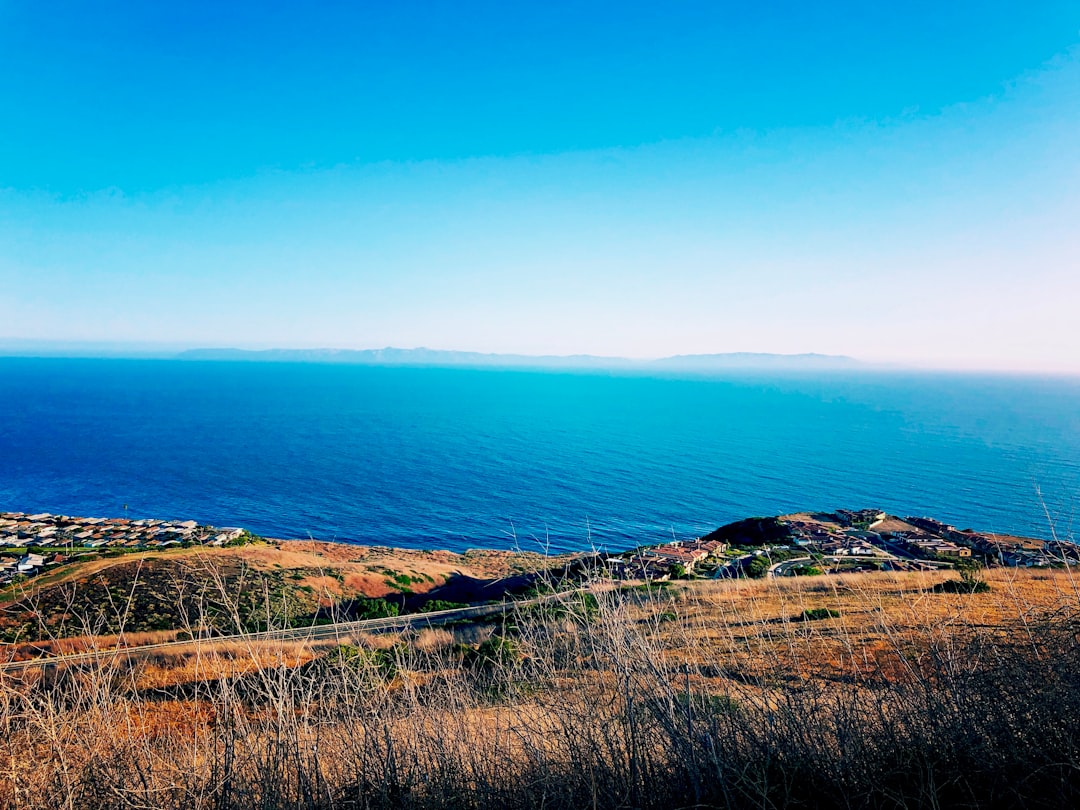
[(391, 356)]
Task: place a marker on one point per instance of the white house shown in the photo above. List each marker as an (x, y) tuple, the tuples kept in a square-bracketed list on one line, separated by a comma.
[(30, 563)]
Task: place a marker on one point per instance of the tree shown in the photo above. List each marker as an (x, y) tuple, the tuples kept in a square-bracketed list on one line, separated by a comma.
[(758, 567), (970, 581), (970, 571)]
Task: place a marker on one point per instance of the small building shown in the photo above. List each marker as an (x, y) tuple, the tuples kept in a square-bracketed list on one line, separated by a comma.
[(30, 563)]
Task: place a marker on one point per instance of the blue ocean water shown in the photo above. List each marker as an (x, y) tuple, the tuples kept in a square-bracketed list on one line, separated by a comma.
[(455, 458)]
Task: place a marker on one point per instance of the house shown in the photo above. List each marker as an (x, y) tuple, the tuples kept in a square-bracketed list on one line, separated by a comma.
[(673, 555), (931, 525), (846, 517), (637, 568), (713, 548), (30, 563)]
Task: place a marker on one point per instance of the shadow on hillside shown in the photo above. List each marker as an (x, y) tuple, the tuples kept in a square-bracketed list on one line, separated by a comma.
[(458, 589), (470, 590)]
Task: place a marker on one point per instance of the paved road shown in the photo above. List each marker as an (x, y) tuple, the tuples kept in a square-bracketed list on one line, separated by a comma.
[(316, 633), (781, 569)]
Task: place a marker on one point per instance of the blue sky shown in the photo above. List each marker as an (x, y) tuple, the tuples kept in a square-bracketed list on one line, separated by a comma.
[(897, 182)]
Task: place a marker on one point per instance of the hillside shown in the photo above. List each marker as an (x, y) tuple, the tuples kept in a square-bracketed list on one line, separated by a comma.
[(253, 587), (811, 660), (875, 690)]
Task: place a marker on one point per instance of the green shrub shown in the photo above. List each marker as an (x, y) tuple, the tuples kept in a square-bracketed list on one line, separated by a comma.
[(433, 605), (363, 609), (970, 581), (497, 651), (815, 614), (758, 567), (962, 586), (381, 663)]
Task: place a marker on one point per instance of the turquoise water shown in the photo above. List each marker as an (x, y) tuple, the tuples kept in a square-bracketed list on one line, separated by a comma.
[(455, 458)]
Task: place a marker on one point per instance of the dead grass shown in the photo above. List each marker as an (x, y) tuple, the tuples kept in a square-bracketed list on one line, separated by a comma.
[(433, 640), (703, 694)]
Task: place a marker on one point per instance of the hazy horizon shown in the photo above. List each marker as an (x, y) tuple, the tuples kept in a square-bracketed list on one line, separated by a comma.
[(897, 185), (30, 349)]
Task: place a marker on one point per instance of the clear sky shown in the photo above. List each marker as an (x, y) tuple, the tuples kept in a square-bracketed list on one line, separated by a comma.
[(893, 181)]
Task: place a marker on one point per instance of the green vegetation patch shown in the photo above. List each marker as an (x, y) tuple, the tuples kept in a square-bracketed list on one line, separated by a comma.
[(755, 531), (962, 586), (817, 614), (433, 605)]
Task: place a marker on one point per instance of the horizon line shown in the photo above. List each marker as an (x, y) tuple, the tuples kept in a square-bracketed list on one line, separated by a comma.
[(29, 348)]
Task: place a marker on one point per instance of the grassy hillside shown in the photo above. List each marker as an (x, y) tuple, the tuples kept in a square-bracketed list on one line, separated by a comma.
[(252, 587), (875, 690)]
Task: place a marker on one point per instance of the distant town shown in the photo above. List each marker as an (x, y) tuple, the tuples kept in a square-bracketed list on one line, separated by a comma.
[(31, 543), (843, 541), (800, 544)]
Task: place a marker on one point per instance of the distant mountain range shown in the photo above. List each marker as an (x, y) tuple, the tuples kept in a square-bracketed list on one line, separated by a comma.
[(435, 357)]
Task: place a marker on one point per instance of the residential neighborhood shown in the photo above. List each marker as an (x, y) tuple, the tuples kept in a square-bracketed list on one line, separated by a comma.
[(59, 537), (661, 562), (843, 541)]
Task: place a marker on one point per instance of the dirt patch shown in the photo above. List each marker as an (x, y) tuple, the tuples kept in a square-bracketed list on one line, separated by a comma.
[(892, 524)]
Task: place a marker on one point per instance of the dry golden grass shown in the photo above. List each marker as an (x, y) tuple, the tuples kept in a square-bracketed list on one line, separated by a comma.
[(753, 623), (704, 694), (332, 569)]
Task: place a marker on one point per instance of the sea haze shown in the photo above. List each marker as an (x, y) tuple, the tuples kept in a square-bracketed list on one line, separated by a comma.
[(457, 458)]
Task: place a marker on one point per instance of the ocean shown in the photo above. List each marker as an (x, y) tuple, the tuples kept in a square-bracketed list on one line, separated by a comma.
[(460, 458)]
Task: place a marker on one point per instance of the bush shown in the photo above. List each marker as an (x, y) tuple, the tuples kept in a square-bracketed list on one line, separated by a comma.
[(970, 581), (816, 614), (498, 651), (380, 663), (961, 586), (373, 609), (433, 605), (758, 567)]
